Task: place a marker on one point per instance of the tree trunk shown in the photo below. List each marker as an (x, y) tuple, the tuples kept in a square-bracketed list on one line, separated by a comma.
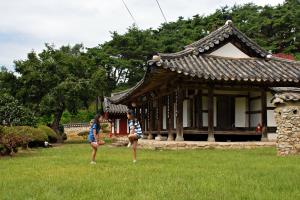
[(55, 123)]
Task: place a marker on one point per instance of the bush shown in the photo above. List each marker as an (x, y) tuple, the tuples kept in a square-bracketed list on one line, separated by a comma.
[(37, 137), (10, 140), (83, 134), (52, 136)]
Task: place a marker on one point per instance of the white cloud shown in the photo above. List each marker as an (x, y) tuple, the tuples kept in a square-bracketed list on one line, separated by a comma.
[(28, 24)]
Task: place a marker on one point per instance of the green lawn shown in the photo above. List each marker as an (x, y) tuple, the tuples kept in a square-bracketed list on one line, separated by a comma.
[(65, 173)]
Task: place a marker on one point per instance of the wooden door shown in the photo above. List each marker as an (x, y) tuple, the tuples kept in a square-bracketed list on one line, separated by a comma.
[(225, 112), (123, 126)]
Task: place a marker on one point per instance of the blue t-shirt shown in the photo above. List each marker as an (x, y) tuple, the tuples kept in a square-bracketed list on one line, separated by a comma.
[(91, 137)]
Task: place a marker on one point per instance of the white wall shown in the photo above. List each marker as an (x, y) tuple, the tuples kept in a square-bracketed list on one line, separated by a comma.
[(164, 117), (186, 113), (229, 50), (240, 111), (270, 113), (255, 105), (112, 127), (271, 118), (255, 119), (117, 126), (205, 115)]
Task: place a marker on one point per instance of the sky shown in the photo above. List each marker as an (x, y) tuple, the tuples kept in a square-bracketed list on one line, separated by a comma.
[(27, 25)]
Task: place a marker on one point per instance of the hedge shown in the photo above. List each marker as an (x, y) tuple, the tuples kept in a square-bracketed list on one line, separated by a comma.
[(52, 136), (11, 138)]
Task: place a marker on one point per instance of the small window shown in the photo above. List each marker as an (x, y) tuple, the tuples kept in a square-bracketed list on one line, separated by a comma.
[(295, 112)]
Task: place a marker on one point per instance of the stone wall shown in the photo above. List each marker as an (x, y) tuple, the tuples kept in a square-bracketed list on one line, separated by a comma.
[(287, 117)]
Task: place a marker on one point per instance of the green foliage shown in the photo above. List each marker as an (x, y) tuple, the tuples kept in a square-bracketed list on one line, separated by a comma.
[(8, 82), (11, 139), (52, 136), (83, 134), (80, 116), (13, 113), (59, 79)]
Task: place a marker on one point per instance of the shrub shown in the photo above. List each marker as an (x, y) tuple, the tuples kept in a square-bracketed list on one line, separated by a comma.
[(52, 136), (37, 137), (10, 140), (83, 134)]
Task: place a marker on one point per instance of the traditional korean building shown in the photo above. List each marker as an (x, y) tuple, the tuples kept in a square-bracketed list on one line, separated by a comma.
[(116, 115), (216, 87)]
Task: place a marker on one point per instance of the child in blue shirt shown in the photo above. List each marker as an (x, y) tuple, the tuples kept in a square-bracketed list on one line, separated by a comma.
[(93, 136)]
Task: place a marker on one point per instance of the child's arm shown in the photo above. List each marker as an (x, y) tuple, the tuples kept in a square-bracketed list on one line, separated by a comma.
[(95, 135)]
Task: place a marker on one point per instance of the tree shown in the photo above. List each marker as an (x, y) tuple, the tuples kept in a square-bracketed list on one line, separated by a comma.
[(8, 82), (59, 79), (12, 113)]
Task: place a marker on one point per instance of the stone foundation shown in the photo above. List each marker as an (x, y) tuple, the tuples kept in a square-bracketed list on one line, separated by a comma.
[(174, 145)]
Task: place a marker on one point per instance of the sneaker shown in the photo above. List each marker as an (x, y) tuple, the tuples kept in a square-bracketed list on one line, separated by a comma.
[(93, 163), (129, 145), (134, 161)]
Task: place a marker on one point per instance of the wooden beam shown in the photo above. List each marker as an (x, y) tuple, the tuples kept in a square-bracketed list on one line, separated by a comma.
[(210, 106)]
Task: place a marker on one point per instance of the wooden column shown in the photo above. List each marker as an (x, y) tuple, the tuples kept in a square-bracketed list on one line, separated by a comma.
[(210, 106), (138, 113), (159, 118), (143, 117), (150, 118), (179, 114), (170, 115), (264, 117)]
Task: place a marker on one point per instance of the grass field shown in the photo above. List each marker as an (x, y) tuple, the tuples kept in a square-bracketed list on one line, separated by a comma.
[(65, 173)]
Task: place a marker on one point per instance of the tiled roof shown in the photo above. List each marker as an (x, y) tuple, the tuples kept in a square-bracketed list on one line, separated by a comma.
[(231, 69), (285, 94), (114, 108), (216, 37)]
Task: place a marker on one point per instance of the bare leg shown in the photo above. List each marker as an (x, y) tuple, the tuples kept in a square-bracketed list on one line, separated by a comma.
[(94, 152), (134, 145), (131, 138)]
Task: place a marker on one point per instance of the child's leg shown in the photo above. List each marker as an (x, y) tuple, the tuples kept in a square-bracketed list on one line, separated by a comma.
[(131, 138), (134, 145), (94, 152)]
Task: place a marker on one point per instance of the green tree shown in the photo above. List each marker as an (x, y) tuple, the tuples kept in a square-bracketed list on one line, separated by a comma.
[(12, 113), (59, 79)]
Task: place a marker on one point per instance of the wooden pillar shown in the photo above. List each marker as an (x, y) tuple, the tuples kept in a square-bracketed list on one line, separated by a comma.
[(159, 118), (170, 115), (264, 118), (210, 106), (150, 118), (143, 117), (179, 114), (138, 113)]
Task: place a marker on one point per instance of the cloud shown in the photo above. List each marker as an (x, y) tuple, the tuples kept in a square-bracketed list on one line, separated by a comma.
[(28, 24)]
